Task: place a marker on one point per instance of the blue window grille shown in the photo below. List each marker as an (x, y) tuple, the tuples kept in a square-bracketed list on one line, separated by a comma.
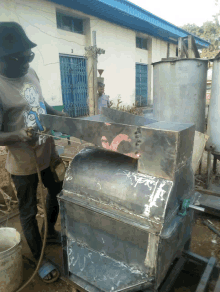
[(74, 85), (141, 85)]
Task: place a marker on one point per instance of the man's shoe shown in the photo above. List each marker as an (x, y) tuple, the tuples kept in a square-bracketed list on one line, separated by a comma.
[(48, 272)]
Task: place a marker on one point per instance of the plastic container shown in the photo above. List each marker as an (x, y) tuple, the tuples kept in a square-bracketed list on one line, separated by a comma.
[(11, 265)]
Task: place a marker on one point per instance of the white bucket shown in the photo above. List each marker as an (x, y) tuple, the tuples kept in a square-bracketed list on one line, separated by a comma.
[(11, 265)]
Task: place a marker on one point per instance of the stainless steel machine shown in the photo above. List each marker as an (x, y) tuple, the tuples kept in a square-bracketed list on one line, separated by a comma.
[(122, 212)]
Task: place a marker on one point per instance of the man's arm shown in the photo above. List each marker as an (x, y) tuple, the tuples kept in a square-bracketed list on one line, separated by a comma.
[(10, 138), (52, 111)]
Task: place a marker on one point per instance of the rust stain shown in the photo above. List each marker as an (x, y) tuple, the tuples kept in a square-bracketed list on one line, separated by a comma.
[(115, 143)]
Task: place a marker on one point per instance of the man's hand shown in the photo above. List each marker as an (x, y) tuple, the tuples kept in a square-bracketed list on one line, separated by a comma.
[(63, 114), (23, 135)]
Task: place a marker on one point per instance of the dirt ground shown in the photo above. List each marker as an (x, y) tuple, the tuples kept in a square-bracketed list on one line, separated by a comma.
[(204, 241), (3, 173)]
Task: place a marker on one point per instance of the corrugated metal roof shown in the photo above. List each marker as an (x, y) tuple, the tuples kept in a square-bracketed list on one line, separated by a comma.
[(127, 14)]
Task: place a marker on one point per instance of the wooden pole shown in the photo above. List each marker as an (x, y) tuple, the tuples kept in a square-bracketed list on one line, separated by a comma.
[(92, 53), (95, 60), (182, 50), (190, 47), (194, 53), (90, 85)]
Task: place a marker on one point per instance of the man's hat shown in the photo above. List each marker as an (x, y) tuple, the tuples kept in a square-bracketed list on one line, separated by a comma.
[(101, 84), (13, 39)]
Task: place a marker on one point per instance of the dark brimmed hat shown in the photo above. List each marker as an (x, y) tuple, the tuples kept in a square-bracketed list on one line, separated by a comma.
[(13, 39)]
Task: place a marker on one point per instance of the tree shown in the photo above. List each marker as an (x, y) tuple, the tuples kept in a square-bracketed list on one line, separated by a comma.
[(210, 30)]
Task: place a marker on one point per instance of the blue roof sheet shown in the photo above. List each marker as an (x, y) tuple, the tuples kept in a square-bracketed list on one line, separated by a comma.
[(127, 14)]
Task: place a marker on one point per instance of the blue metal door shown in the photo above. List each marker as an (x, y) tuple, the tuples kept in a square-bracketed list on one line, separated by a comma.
[(141, 85), (74, 85)]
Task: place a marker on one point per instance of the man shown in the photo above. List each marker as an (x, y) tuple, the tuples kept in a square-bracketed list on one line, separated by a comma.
[(103, 100), (21, 103)]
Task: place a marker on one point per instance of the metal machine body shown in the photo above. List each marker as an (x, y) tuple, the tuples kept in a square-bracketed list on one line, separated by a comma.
[(121, 228), (180, 91), (214, 109)]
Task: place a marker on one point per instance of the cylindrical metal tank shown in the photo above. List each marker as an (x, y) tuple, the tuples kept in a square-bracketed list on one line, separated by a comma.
[(179, 91), (213, 130)]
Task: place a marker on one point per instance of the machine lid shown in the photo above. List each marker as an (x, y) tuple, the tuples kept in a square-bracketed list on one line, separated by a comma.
[(110, 183)]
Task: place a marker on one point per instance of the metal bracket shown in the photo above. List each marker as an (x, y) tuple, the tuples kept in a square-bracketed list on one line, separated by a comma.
[(184, 207)]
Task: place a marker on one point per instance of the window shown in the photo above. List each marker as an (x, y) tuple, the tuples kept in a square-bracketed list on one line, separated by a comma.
[(69, 23), (141, 43)]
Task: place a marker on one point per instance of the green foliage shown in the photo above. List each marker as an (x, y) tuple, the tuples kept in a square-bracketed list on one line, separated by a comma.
[(210, 30)]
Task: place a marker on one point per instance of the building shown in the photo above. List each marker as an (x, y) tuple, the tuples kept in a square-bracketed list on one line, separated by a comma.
[(131, 37)]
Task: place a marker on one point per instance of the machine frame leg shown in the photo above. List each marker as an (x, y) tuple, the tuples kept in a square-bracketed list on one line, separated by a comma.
[(207, 264), (208, 168), (215, 164), (206, 275), (167, 285)]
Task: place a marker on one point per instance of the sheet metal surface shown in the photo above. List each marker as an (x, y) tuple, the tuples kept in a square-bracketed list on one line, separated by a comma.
[(180, 91), (214, 108), (161, 145), (120, 200), (103, 211), (111, 181)]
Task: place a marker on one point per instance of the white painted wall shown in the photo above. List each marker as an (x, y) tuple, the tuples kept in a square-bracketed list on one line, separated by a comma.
[(141, 56), (38, 18), (159, 50), (118, 61), (173, 50)]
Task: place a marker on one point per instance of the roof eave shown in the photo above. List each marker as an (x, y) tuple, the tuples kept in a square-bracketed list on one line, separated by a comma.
[(157, 27)]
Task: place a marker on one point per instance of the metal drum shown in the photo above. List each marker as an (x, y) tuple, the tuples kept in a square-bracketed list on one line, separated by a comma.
[(214, 110), (179, 91)]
